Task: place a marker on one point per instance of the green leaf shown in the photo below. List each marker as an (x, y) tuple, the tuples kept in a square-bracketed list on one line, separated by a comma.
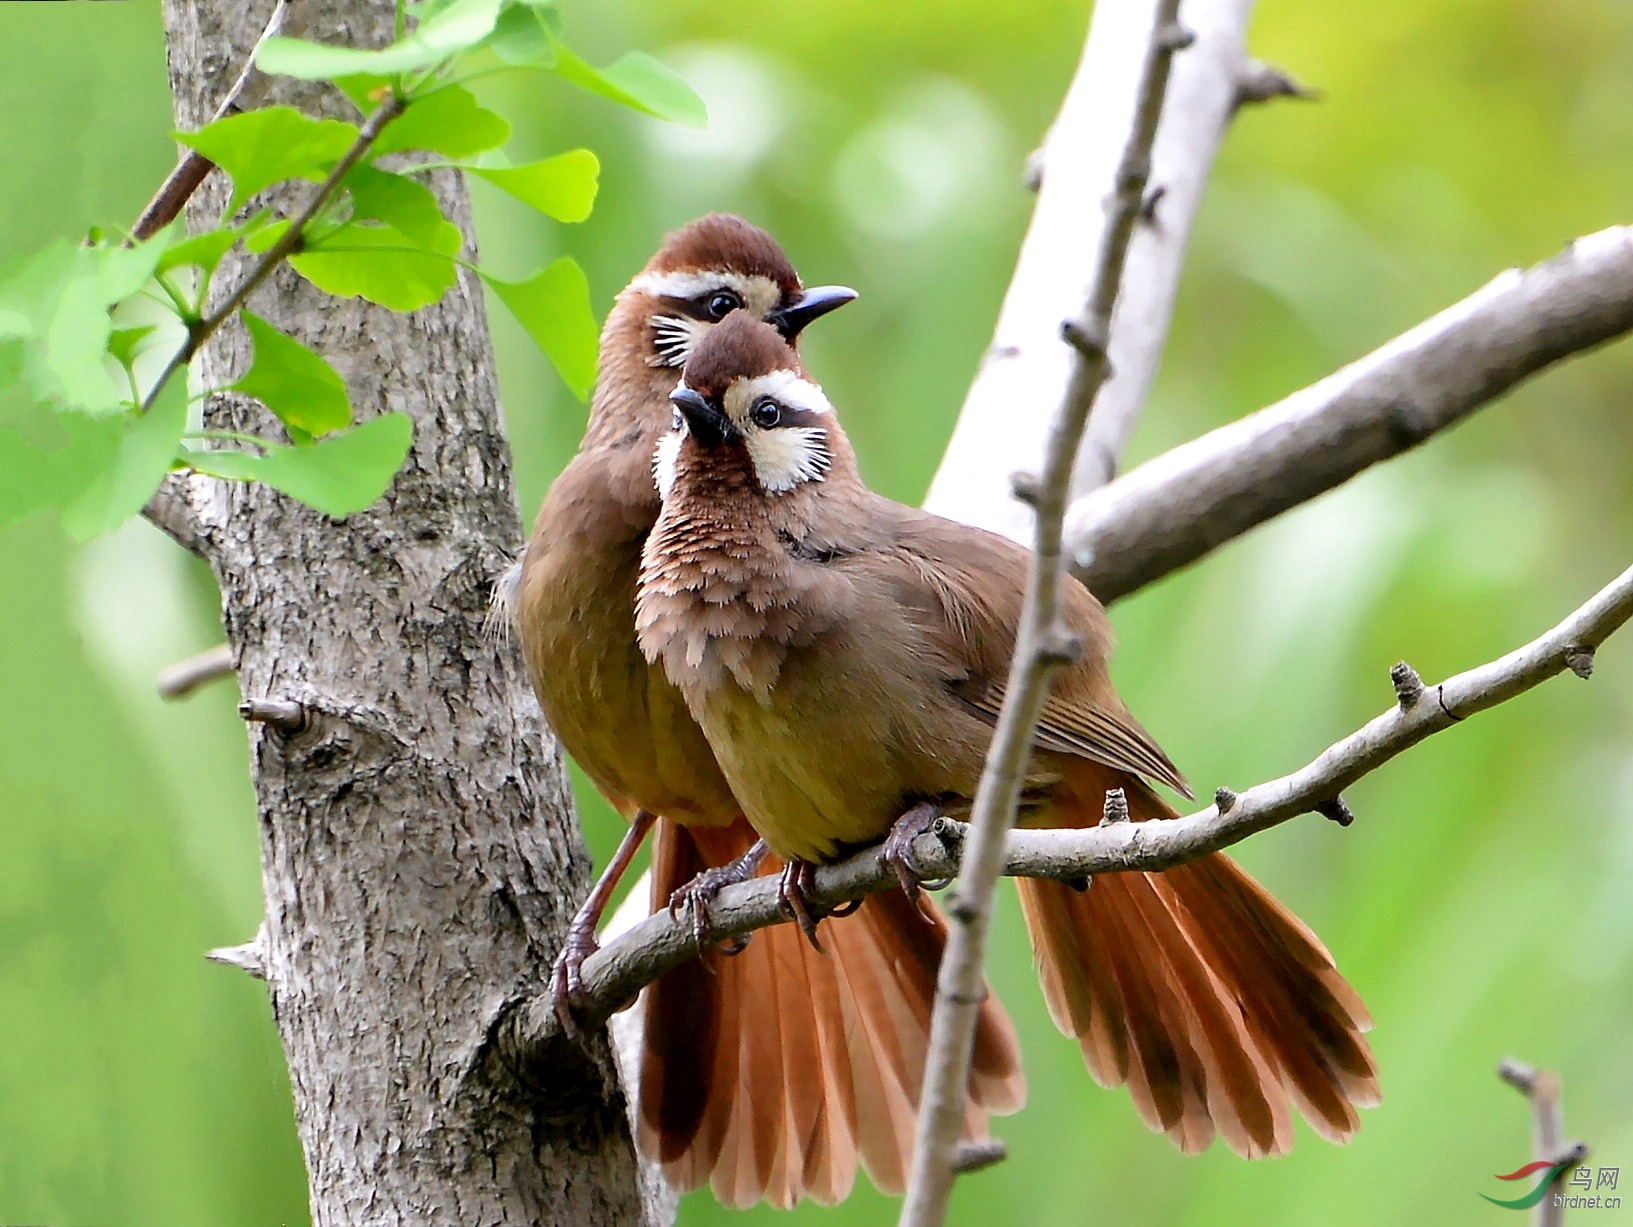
[(562, 187), (408, 207), (366, 90), (121, 271), (124, 342), (554, 307), (459, 26), (638, 81), (260, 148), (449, 122), (56, 303), (33, 478), (304, 391), (145, 449), (204, 251), (75, 344), (382, 265), (339, 475), (523, 35)]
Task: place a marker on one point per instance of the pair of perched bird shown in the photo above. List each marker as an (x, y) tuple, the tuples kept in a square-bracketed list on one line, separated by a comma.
[(747, 649)]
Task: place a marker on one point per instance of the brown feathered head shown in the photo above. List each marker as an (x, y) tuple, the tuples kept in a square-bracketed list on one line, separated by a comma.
[(710, 268), (744, 397)]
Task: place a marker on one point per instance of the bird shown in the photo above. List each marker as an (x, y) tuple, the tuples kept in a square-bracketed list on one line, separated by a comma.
[(772, 1074), (846, 656)]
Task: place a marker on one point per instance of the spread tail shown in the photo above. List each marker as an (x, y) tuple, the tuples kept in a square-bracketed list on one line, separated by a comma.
[(770, 1074), (1216, 1005)]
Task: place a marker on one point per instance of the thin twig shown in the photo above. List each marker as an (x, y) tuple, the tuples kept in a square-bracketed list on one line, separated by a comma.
[(194, 168), (1043, 646), (624, 965), (179, 680), (288, 244), (1547, 1095), (1179, 507)]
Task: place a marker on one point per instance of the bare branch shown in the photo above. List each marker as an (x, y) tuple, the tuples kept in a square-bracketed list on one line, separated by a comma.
[(1547, 1095), (194, 167), (1043, 645), (1006, 415), (179, 680), (619, 970), (1177, 508)]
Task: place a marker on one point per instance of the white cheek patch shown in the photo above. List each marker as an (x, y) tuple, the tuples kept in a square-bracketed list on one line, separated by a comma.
[(788, 456), (785, 387), (674, 337), (664, 460)]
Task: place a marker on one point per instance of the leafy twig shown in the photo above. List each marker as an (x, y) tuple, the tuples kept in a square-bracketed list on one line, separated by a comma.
[(287, 244)]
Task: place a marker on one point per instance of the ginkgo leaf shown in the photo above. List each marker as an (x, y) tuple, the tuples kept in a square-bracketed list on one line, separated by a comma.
[(382, 265), (638, 81), (562, 187), (260, 148), (448, 121), (553, 306), (121, 488), (408, 207), (338, 475), (448, 30), (302, 390)]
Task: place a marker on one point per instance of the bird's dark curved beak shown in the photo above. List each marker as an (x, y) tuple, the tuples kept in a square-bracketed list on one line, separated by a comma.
[(709, 426), (807, 306)]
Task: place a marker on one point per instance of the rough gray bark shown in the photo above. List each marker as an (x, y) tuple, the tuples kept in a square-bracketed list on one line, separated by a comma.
[(419, 852)]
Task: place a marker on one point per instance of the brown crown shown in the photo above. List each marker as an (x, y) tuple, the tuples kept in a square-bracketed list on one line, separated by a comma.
[(726, 242), (738, 347)]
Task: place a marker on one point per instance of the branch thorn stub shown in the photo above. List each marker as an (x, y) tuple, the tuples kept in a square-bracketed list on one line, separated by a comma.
[(1408, 685)]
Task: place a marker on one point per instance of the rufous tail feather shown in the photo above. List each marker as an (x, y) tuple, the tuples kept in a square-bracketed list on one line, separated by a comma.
[(771, 1074), (1214, 1004)]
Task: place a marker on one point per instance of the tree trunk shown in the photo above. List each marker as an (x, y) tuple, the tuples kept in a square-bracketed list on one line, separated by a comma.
[(419, 849)]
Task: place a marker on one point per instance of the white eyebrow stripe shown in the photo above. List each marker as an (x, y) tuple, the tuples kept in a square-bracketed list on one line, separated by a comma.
[(788, 387), (690, 285)]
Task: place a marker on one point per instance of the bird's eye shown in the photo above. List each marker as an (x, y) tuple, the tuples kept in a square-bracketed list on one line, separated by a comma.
[(722, 303), (766, 413)]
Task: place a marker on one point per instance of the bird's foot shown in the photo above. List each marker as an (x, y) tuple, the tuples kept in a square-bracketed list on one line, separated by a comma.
[(566, 977), (792, 888), (896, 853), (696, 896)]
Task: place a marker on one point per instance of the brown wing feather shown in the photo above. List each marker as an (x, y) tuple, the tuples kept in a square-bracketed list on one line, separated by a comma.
[(965, 587)]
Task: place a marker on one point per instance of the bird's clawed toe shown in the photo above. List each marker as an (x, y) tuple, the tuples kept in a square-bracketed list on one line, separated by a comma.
[(896, 853), (793, 887), (695, 897), (566, 977)]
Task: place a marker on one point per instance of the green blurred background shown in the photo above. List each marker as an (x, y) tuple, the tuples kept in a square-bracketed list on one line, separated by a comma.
[(1483, 902)]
